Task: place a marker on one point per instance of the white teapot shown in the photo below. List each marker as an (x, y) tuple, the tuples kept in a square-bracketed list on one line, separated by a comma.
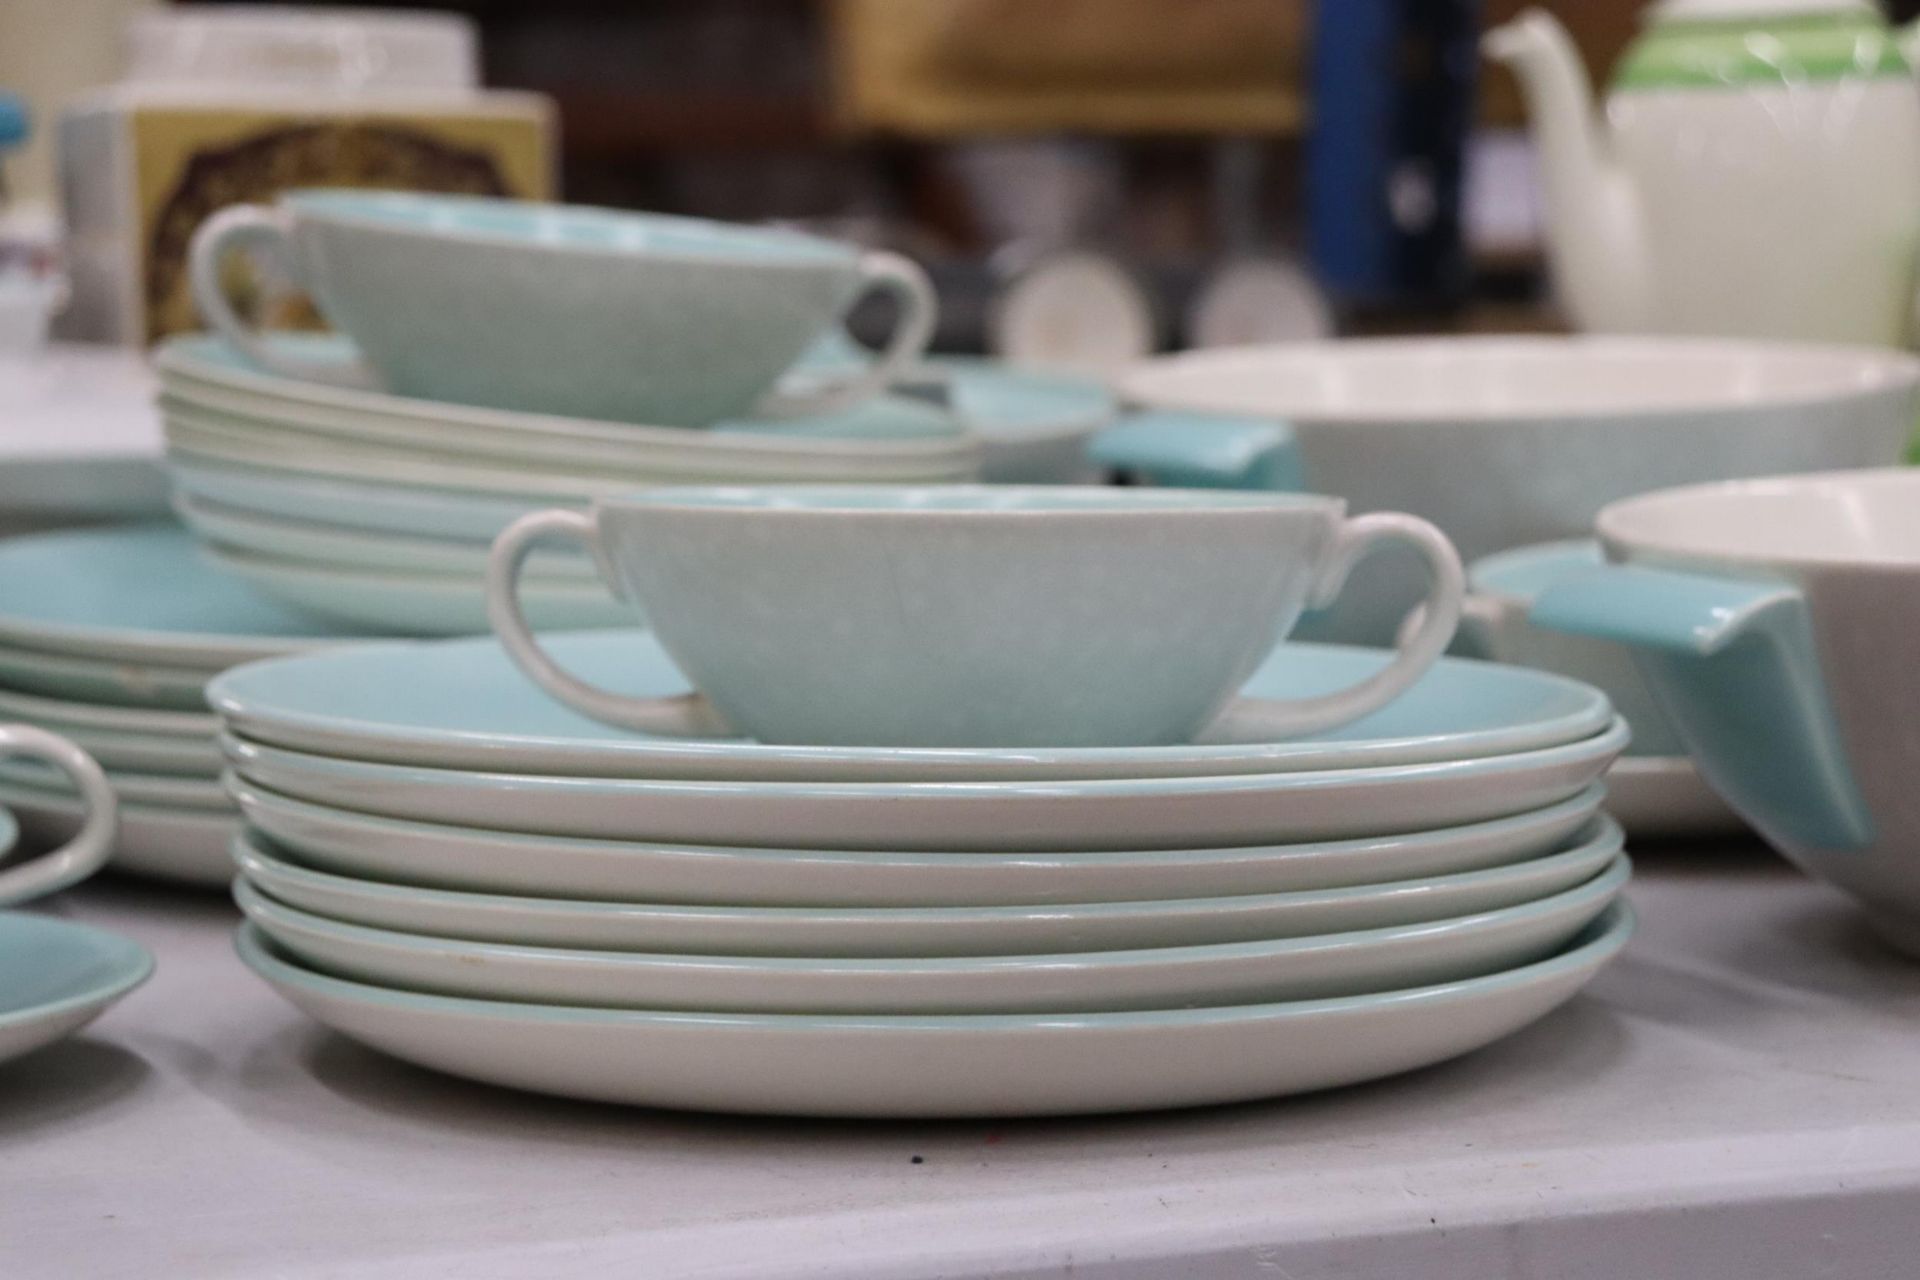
[(1756, 172)]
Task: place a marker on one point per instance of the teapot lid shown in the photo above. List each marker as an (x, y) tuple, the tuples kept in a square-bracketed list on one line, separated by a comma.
[(1727, 10), (1709, 44)]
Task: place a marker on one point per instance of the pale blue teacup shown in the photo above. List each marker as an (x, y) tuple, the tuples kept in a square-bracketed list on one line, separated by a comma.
[(974, 616), (565, 309)]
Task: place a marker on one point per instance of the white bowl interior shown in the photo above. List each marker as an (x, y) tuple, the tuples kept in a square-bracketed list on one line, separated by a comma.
[(1433, 379), (1856, 517)]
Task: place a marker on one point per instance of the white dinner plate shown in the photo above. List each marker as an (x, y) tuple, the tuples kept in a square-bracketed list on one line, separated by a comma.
[(692, 459), (372, 503), (417, 603), (313, 542), (191, 846), (1101, 814), (485, 870), (464, 704), (1094, 926), (160, 790), (57, 976), (444, 464), (114, 682), (63, 715), (146, 753), (1306, 968), (206, 373), (1292, 968), (960, 1065)]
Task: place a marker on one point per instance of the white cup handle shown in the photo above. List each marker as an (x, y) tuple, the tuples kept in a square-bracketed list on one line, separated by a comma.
[(912, 331), (89, 848), (262, 229), (686, 715), (1266, 719)]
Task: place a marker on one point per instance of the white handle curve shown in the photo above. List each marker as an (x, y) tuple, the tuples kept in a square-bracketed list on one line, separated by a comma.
[(1267, 719), (687, 715), (90, 846), (263, 229), (912, 331)]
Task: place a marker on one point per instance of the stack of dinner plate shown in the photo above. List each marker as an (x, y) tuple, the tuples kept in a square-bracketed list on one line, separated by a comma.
[(108, 637), (376, 509), (444, 863)]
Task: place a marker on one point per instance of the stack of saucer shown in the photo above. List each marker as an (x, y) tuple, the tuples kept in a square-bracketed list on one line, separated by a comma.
[(929, 878), (517, 349), (445, 864), (377, 509), (108, 637)]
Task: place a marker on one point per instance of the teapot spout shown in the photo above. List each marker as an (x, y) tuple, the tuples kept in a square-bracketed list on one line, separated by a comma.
[(1594, 238)]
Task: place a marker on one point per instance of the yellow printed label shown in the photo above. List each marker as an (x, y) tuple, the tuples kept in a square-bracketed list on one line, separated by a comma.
[(190, 163)]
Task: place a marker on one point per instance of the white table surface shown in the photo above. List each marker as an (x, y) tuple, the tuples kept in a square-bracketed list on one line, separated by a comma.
[(1738, 1096)]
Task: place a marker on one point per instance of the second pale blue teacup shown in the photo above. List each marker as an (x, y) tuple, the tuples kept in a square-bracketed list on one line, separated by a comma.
[(964, 616), (547, 308)]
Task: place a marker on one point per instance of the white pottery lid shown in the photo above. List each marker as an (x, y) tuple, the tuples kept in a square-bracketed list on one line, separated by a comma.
[(1720, 10), (301, 49)]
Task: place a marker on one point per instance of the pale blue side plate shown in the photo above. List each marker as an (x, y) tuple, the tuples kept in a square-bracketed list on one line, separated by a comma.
[(139, 587)]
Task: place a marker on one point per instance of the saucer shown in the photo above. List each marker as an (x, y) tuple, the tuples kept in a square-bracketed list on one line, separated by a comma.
[(1100, 814), (463, 704), (159, 790), (138, 594), (188, 845), (1287, 968), (56, 977), (211, 376), (339, 546), (147, 753), (119, 682), (65, 716), (373, 503), (482, 869), (960, 1065), (1011, 930), (417, 603)]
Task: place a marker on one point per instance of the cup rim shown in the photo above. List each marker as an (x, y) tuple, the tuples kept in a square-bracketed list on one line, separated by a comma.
[(314, 204), (1615, 522), (955, 501)]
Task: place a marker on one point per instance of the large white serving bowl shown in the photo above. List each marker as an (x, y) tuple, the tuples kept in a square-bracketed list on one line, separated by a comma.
[(1293, 968), (364, 867), (1504, 441), (958, 1065), (1094, 926), (1100, 814)]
